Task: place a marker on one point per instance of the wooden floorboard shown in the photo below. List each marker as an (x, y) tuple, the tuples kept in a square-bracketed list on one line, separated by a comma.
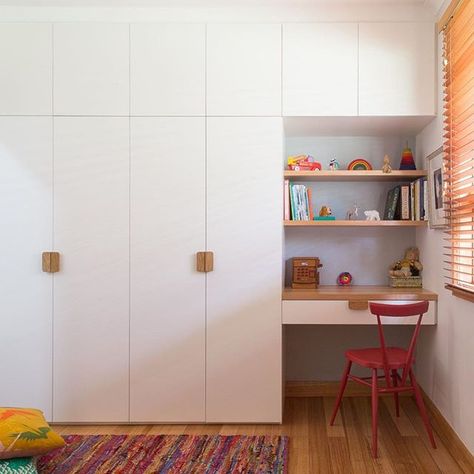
[(316, 448)]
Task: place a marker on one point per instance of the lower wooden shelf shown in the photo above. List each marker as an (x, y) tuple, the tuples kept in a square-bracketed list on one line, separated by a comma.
[(344, 223), (359, 293)]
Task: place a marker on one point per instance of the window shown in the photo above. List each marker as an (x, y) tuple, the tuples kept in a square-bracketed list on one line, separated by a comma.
[(459, 147)]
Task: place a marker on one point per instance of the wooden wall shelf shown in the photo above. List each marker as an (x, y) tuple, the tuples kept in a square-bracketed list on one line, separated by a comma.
[(359, 293), (357, 175), (344, 223)]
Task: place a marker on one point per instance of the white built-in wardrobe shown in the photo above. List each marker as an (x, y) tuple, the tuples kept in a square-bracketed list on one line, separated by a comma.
[(129, 148)]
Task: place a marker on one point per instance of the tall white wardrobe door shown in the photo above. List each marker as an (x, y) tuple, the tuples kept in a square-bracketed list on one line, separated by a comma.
[(25, 292), (320, 69), (244, 69), (397, 68), (167, 381), (91, 68), (244, 204), (91, 292), (26, 73), (168, 69)]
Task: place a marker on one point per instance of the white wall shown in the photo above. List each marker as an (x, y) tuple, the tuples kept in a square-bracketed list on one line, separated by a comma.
[(251, 11), (446, 351)]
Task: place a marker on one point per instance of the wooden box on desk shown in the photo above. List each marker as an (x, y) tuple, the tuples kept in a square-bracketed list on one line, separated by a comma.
[(304, 272)]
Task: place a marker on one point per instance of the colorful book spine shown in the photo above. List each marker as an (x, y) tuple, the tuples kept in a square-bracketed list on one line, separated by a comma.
[(286, 200), (404, 203), (412, 201), (425, 199), (416, 201), (391, 204), (310, 205)]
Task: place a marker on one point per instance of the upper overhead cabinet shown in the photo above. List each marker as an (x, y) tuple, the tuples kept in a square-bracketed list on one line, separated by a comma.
[(91, 69), (320, 69), (244, 69), (396, 69), (26, 69), (168, 69)]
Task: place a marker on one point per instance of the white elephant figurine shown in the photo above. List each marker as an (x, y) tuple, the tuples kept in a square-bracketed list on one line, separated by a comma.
[(372, 215)]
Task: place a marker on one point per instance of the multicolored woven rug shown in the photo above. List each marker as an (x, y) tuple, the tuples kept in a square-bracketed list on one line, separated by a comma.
[(166, 454)]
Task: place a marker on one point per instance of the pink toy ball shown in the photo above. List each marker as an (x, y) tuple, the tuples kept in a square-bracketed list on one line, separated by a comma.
[(344, 279)]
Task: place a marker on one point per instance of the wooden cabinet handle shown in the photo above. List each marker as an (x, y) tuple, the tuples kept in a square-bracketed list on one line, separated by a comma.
[(205, 262), (50, 262), (358, 305)]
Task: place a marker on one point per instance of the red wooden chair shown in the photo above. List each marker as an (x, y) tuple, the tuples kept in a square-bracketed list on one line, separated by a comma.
[(390, 360)]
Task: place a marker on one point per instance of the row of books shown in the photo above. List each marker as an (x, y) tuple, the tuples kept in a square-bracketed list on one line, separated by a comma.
[(408, 202), (297, 201)]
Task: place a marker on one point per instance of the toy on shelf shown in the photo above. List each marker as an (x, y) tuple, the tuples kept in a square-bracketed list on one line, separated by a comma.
[(386, 168), (334, 165), (406, 273), (352, 213), (359, 164), (407, 162), (304, 272), (303, 163), (372, 215), (325, 214), (344, 279)]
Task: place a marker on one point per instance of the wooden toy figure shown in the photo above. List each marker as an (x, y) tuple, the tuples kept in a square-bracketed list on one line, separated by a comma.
[(386, 168), (325, 211), (334, 165)]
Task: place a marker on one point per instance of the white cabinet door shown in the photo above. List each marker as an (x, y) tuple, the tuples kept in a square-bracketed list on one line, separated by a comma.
[(25, 292), (91, 69), (396, 69), (244, 202), (91, 292), (244, 69), (168, 68), (320, 69), (167, 382), (25, 69)]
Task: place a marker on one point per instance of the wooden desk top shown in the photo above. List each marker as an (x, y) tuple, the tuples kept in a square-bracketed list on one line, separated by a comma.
[(359, 293)]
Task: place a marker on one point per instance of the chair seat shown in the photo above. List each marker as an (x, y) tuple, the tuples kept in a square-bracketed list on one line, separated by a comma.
[(372, 357)]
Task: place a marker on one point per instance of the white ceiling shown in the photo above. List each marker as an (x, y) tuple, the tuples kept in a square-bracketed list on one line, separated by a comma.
[(205, 3)]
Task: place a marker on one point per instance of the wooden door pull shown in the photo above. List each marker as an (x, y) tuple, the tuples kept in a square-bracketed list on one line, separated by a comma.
[(358, 305), (50, 262), (205, 262)]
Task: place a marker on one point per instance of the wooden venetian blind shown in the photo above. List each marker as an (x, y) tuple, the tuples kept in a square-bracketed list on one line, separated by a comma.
[(459, 148)]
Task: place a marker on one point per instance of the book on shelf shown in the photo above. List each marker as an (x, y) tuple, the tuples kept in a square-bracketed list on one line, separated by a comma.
[(298, 197), (286, 200), (407, 202)]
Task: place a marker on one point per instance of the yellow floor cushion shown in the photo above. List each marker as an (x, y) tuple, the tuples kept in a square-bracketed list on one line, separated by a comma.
[(24, 432)]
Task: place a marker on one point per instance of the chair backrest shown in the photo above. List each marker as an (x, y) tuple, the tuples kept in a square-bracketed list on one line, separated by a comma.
[(399, 311)]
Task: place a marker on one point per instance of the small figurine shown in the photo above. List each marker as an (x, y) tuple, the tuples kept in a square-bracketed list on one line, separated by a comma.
[(352, 213), (344, 279), (372, 215), (334, 165), (386, 168), (325, 211), (409, 266)]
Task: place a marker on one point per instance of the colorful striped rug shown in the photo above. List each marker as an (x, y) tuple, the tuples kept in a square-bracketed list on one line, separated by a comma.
[(165, 454)]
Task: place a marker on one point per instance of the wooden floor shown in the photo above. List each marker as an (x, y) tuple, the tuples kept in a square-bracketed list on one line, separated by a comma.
[(316, 447)]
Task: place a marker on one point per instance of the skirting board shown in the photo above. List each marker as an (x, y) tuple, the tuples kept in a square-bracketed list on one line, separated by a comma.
[(353, 389)]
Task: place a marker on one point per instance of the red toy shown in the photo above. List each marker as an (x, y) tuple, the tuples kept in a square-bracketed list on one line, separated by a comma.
[(303, 163)]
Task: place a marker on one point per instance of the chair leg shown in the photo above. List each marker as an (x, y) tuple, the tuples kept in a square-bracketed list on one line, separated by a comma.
[(395, 394), (375, 405), (342, 387), (422, 408)]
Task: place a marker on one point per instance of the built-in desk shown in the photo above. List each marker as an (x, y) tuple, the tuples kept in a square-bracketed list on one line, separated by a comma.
[(349, 305)]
